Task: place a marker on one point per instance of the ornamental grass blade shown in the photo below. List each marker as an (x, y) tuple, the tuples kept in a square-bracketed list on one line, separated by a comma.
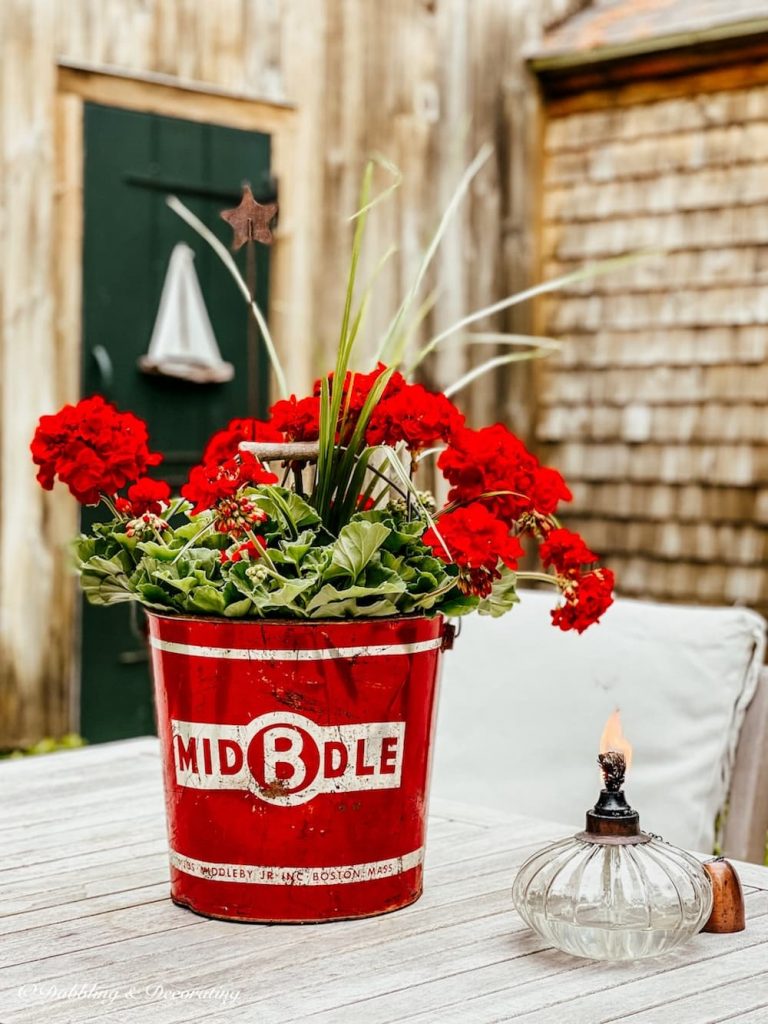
[(493, 364), (523, 340), (584, 273), (366, 296), (327, 475), (348, 504), (387, 343), (356, 445), (326, 440), (399, 470), (397, 175), (226, 258)]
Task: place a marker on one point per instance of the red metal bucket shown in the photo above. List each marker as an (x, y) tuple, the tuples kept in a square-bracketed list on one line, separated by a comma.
[(296, 762)]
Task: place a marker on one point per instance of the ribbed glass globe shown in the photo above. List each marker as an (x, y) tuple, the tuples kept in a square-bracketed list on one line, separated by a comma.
[(610, 901)]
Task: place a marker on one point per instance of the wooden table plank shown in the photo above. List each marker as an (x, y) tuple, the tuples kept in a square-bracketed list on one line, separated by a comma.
[(84, 909)]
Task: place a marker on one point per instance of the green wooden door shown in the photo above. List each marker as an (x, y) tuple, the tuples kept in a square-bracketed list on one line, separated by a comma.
[(132, 161)]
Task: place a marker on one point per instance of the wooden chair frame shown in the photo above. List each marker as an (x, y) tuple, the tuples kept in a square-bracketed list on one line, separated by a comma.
[(746, 825)]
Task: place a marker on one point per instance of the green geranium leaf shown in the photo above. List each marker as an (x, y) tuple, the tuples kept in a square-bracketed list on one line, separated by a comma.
[(296, 551), (205, 559), (329, 595), (185, 584), (129, 543), (239, 609), (352, 609), (503, 596), (83, 548), (458, 604), (105, 591), (159, 551), (285, 596), (107, 566), (357, 544), (154, 596), (281, 504), (206, 599), (191, 529)]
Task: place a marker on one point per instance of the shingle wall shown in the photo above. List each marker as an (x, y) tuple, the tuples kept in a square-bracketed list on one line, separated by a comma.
[(657, 412), (619, 22)]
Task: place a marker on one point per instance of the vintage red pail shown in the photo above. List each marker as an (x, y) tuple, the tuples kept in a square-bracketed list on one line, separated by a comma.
[(296, 762)]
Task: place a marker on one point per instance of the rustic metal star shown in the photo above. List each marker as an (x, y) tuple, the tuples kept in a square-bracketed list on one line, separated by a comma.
[(250, 220)]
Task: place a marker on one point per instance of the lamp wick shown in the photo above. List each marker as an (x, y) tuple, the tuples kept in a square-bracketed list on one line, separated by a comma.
[(613, 765)]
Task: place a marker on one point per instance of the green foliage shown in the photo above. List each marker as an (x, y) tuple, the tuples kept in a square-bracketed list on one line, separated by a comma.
[(503, 596), (376, 566), (70, 741)]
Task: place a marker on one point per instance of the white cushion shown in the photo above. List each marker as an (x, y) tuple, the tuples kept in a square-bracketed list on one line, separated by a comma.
[(523, 705)]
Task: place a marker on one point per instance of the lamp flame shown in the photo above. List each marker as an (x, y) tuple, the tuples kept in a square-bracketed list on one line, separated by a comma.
[(613, 738)]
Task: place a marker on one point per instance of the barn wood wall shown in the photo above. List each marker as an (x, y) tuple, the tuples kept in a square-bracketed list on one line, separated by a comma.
[(657, 410), (424, 82)]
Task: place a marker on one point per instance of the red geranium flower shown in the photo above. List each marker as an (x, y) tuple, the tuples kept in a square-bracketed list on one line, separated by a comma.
[(549, 489), (93, 448), (249, 550), (586, 598), (566, 551), (297, 418), (492, 459), (361, 384), (146, 495), (209, 482), (226, 443), (477, 541), (355, 391), (412, 414)]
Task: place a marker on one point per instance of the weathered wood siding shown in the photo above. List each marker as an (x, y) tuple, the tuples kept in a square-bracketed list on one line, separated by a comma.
[(657, 410), (424, 82)]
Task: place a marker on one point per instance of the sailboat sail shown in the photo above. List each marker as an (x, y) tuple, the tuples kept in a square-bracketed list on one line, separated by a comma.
[(183, 344)]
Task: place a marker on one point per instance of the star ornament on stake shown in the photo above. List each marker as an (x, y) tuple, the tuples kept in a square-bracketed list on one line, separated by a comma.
[(250, 220)]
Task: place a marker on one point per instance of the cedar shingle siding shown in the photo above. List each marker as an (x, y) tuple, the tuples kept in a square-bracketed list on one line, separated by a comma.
[(658, 410)]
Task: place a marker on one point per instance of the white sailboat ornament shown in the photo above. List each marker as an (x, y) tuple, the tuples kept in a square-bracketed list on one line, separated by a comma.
[(183, 344)]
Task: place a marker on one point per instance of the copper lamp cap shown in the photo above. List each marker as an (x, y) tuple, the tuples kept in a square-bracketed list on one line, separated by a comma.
[(727, 898)]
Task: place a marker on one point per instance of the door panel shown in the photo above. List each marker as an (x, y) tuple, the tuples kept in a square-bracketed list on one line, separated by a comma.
[(132, 161)]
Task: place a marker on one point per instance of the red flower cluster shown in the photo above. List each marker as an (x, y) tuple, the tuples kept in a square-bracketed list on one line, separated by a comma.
[(92, 448), (145, 496), (492, 459), (237, 515), (297, 418), (405, 412), (586, 598), (210, 482), (586, 594), (412, 414), (226, 443), (566, 551), (476, 542), (361, 384), (250, 550), (355, 391)]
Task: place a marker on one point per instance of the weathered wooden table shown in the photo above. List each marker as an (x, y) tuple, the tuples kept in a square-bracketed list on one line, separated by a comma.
[(89, 934)]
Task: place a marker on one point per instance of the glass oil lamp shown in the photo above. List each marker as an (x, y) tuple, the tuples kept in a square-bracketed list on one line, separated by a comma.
[(613, 892)]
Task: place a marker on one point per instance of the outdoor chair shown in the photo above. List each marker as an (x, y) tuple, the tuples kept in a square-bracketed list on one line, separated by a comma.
[(523, 705)]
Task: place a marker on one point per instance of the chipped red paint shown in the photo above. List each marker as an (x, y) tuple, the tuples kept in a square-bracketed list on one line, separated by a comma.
[(296, 762)]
